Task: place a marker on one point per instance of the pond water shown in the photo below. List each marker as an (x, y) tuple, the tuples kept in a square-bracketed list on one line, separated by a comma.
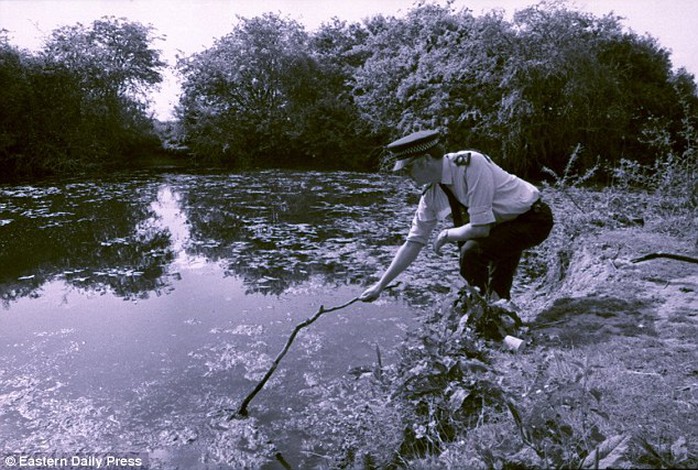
[(136, 308)]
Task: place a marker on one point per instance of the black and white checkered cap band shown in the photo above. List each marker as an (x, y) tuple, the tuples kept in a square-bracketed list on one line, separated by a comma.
[(418, 148)]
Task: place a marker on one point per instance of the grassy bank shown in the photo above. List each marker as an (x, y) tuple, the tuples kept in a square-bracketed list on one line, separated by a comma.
[(607, 373)]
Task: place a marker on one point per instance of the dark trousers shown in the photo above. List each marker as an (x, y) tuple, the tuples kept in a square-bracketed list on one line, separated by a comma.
[(490, 263)]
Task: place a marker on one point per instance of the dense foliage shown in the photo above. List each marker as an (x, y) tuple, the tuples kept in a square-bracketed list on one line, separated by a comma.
[(80, 102), (529, 90), (266, 94)]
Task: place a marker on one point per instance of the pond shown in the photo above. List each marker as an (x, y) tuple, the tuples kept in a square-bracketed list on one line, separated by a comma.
[(138, 308)]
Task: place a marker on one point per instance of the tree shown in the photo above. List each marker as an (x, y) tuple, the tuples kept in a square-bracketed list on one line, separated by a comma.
[(82, 98), (116, 65), (39, 125), (555, 92), (113, 57), (235, 99), (332, 125), (576, 79), (426, 70), (529, 91)]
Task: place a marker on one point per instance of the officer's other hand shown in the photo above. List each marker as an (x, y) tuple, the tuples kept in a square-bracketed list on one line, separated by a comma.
[(440, 241), (371, 294)]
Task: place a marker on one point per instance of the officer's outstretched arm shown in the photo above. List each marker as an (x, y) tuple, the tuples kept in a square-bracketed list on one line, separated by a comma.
[(405, 255)]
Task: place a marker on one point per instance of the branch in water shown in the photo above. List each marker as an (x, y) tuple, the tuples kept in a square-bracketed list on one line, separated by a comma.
[(242, 411)]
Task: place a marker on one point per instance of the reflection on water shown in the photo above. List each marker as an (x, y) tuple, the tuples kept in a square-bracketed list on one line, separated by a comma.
[(169, 217), (274, 230), (135, 307)]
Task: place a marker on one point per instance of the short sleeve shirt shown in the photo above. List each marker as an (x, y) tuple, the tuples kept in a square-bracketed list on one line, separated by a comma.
[(491, 194)]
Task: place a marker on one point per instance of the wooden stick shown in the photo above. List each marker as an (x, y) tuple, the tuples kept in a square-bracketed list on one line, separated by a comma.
[(685, 258), (242, 411)]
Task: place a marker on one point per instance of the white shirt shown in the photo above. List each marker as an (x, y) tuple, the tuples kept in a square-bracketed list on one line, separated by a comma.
[(491, 194)]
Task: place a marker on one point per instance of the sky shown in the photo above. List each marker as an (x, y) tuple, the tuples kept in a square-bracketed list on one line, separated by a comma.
[(191, 26)]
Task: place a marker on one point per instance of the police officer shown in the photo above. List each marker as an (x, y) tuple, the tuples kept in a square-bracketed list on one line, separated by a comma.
[(506, 214)]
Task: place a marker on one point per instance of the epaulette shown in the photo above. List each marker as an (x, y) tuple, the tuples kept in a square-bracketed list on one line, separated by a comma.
[(462, 159)]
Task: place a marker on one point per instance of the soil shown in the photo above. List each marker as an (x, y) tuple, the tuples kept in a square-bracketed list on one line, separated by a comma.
[(636, 326), (605, 295)]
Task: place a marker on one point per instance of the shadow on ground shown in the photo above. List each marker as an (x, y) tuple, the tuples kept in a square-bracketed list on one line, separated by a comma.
[(574, 322)]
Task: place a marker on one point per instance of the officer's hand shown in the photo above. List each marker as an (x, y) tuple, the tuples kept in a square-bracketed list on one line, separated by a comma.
[(440, 241), (371, 294)]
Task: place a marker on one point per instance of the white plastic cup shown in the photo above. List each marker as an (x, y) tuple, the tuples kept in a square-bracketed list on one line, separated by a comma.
[(513, 343)]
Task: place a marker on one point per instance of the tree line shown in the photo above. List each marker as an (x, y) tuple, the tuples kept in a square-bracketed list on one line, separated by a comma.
[(80, 103), (529, 91)]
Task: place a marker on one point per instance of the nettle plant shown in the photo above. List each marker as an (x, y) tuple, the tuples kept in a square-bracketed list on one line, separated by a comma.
[(563, 421), (445, 380)]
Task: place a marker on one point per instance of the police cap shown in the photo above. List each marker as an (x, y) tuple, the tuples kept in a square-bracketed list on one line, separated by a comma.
[(411, 146)]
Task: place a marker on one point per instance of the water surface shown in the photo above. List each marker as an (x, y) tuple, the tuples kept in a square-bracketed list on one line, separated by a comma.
[(137, 307)]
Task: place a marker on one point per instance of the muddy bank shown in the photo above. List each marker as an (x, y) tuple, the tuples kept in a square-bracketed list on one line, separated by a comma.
[(623, 335), (602, 284)]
